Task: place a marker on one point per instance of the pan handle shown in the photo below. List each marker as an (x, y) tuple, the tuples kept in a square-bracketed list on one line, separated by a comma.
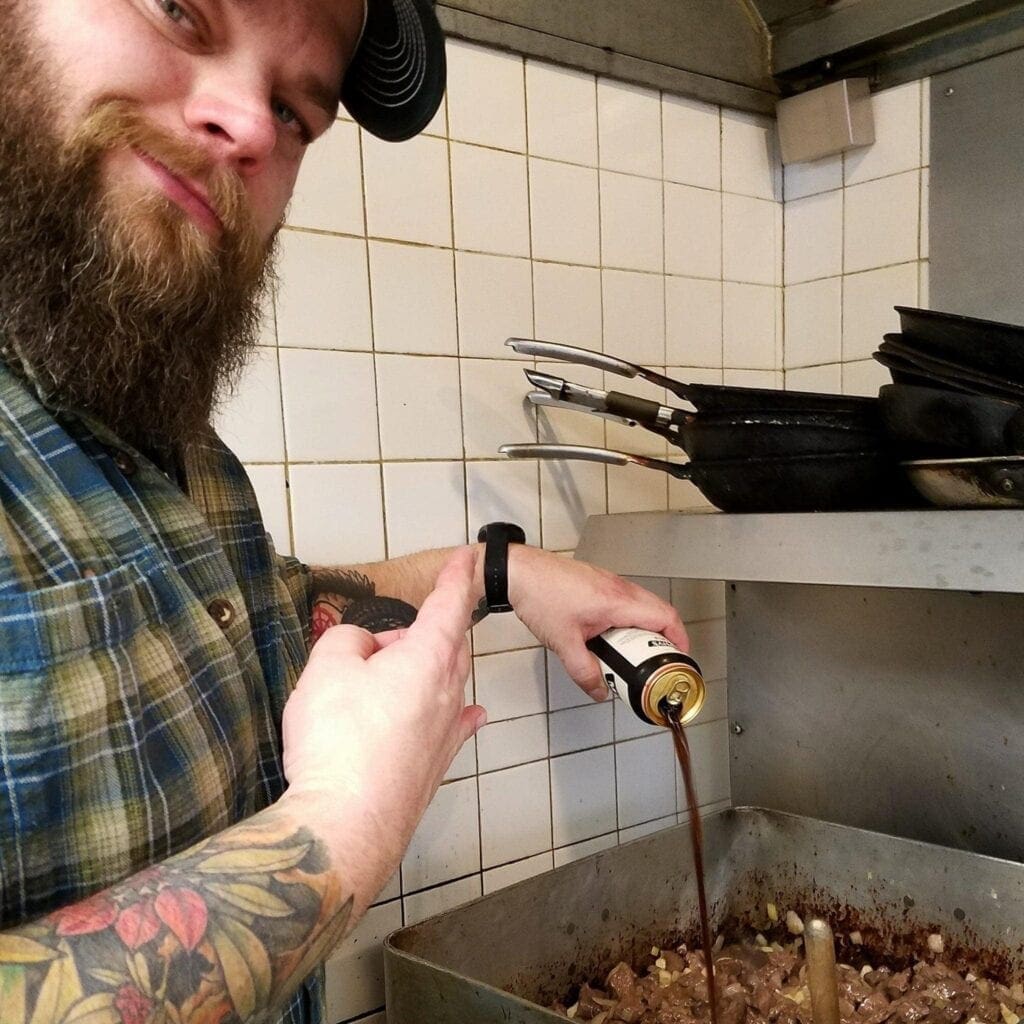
[(582, 453), (542, 398), (572, 354), (599, 361)]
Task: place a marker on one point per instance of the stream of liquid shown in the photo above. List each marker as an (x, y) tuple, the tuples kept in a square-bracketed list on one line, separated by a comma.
[(697, 834)]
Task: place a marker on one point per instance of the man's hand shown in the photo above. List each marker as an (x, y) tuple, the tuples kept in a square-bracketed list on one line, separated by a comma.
[(564, 603), (375, 722)]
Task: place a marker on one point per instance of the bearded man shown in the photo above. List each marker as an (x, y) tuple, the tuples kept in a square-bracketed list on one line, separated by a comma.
[(196, 804)]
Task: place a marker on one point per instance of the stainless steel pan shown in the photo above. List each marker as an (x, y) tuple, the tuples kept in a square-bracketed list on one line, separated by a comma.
[(970, 483), (503, 958)]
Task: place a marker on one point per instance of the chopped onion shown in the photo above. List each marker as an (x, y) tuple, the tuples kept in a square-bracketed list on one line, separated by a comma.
[(793, 923), (773, 913), (856, 938), (1009, 1017), (935, 943)]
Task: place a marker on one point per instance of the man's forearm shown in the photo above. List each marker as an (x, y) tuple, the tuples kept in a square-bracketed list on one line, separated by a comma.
[(223, 932), (409, 578)]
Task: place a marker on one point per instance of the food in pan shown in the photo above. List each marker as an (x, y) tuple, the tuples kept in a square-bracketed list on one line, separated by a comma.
[(765, 982)]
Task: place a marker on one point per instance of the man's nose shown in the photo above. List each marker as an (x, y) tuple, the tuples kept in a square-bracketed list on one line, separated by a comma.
[(235, 122)]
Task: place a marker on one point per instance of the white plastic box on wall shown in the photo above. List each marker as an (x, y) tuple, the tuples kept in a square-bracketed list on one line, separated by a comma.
[(825, 121)]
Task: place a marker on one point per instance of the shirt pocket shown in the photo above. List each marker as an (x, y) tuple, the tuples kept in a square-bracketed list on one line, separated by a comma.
[(42, 628), (125, 733)]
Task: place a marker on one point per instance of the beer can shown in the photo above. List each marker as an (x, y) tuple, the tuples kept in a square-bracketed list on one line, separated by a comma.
[(650, 674)]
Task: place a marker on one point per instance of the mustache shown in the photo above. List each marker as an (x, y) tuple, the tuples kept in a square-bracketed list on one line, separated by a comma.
[(116, 124)]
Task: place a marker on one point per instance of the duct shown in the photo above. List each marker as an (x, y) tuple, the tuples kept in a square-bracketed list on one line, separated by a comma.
[(744, 54), (714, 50)]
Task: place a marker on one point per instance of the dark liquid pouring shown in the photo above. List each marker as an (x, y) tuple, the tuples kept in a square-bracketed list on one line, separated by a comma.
[(697, 833)]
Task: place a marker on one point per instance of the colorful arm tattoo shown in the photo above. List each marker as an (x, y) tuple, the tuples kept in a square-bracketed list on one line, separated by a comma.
[(221, 934), (334, 591), (350, 597)]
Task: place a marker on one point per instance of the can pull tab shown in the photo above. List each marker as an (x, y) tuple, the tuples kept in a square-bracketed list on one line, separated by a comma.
[(674, 702)]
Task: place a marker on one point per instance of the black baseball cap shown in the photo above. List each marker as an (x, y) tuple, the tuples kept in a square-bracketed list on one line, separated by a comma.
[(396, 79)]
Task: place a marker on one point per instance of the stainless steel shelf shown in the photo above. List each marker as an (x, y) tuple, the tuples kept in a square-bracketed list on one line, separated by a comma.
[(979, 551)]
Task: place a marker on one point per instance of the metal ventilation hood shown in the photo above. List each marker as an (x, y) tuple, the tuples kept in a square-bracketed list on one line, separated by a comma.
[(745, 53)]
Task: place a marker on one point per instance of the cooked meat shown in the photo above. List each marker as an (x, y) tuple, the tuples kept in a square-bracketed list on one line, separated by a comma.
[(766, 983)]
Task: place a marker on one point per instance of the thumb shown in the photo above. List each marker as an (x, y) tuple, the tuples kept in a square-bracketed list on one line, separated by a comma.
[(471, 721)]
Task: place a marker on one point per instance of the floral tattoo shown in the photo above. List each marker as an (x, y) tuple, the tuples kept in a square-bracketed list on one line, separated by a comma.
[(222, 934)]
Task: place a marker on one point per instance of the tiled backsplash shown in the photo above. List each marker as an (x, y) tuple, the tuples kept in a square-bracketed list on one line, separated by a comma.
[(544, 203), (856, 244)]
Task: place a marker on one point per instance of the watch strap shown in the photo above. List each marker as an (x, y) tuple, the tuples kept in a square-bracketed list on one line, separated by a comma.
[(497, 537)]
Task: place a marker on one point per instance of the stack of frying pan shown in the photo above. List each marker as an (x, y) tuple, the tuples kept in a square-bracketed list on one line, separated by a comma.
[(750, 449), (956, 407)]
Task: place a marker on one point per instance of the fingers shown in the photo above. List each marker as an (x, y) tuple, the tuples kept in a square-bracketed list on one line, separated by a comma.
[(650, 612), (585, 670), (345, 642), (675, 632), (447, 610), (389, 637)]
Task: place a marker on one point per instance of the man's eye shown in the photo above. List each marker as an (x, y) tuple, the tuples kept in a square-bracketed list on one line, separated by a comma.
[(174, 10), (287, 116)]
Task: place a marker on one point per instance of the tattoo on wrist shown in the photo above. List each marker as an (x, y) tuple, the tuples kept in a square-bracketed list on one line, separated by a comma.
[(480, 612), (224, 932), (335, 590)]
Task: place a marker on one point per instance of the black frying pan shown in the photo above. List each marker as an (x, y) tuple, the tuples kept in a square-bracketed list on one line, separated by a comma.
[(907, 348), (950, 421), (707, 435), (994, 347), (970, 483), (904, 371), (813, 483), (704, 397), (716, 437)]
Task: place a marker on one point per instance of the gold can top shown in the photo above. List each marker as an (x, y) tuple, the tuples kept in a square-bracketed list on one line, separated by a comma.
[(674, 686)]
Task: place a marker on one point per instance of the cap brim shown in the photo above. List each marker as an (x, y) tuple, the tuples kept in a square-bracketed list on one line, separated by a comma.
[(396, 80)]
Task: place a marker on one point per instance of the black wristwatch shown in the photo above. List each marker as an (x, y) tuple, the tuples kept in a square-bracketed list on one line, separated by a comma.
[(497, 537)]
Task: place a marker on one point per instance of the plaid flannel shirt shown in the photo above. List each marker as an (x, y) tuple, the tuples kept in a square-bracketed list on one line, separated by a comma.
[(148, 642)]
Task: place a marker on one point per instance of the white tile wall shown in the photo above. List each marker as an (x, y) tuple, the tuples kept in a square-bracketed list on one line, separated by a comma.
[(589, 212), (856, 244)]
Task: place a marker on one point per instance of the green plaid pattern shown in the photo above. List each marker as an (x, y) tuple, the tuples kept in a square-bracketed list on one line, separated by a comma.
[(132, 724)]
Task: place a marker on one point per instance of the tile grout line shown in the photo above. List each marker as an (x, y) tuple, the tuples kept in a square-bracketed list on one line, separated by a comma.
[(465, 480), (604, 327), (284, 431), (373, 358), (536, 434)]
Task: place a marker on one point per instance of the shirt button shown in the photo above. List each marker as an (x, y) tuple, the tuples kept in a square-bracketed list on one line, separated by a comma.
[(125, 463), (222, 612)]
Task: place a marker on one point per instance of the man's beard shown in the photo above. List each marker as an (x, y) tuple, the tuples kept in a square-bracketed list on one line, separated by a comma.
[(122, 309)]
